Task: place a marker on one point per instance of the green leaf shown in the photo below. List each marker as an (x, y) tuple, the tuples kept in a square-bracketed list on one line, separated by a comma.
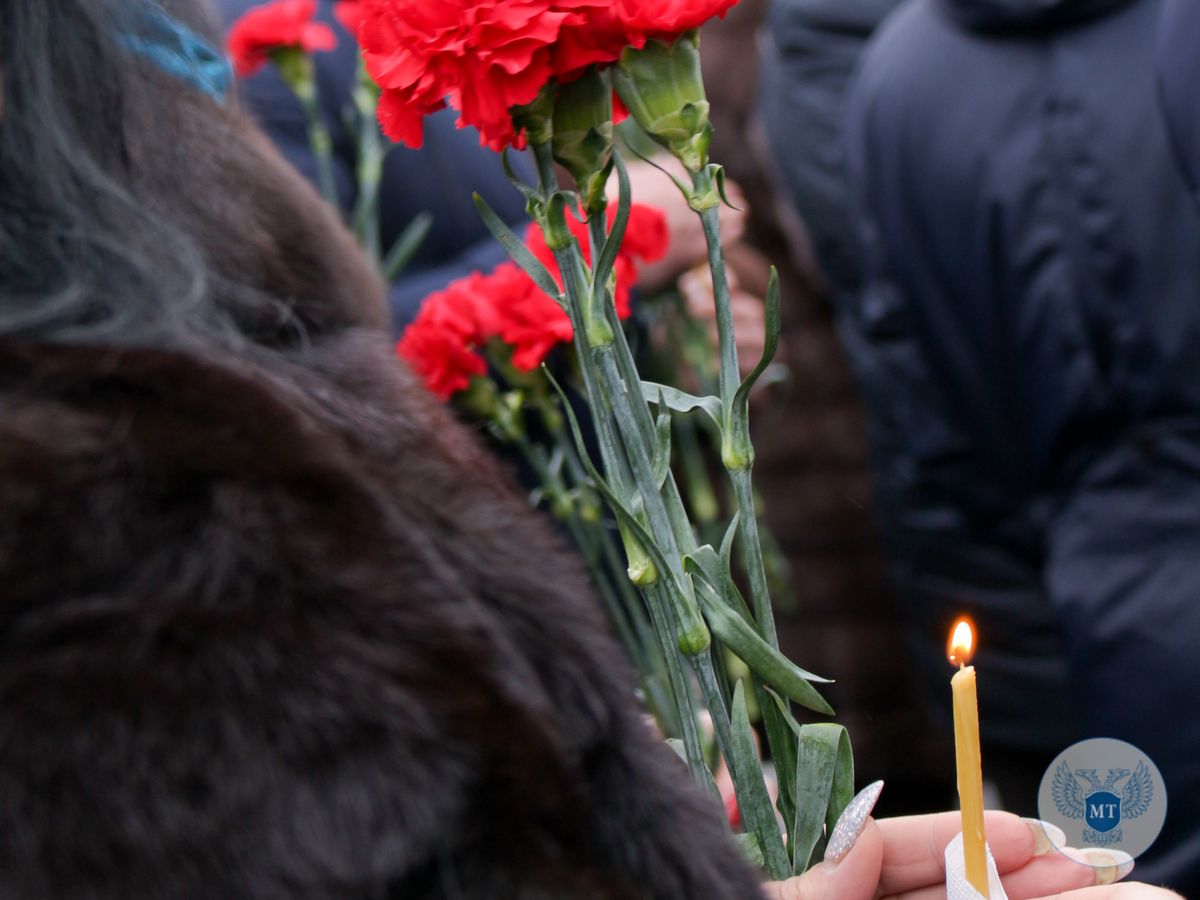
[(684, 187), (520, 254), (677, 745), (717, 173), (727, 543), (751, 849), (741, 398), (406, 245), (534, 201), (681, 401), (754, 803), (612, 244), (780, 727), (572, 201), (703, 563), (843, 778), (662, 448), (824, 787), (816, 753), (782, 705), (776, 720), (775, 669), (692, 631)]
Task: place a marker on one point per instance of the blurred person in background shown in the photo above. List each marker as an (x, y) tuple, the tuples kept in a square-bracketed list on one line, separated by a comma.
[(809, 50), (1028, 336)]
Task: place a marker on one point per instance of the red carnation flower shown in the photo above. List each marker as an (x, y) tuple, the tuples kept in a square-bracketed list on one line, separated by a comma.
[(442, 342), (595, 36), (483, 56), (350, 14), (647, 236), (281, 23), (487, 56), (667, 19), (531, 323)]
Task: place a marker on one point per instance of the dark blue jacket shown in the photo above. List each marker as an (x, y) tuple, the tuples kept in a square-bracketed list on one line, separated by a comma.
[(1028, 339), (1179, 81), (809, 49), (439, 178)]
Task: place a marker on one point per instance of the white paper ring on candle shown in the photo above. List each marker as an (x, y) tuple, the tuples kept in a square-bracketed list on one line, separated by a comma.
[(957, 886)]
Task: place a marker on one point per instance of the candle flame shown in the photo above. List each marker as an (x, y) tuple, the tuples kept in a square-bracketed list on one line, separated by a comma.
[(961, 645)]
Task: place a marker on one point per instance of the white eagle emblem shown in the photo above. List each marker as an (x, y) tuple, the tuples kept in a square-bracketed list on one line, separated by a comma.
[(1101, 808)]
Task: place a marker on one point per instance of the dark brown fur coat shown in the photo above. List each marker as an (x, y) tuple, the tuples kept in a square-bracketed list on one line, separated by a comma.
[(274, 625)]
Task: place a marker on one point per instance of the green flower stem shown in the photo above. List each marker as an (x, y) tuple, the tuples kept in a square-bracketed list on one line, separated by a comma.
[(622, 384), (736, 452), (595, 544), (618, 578), (320, 142), (297, 71), (766, 829), (634, 606), (752, 556), (598, 233), (587, 544), (702, 496), (616, 468), (730, 375), (693, 751), (701, 662), (693, 629), (638, 634), (685, 534), (371, 153), (611, 458), (597, 541)]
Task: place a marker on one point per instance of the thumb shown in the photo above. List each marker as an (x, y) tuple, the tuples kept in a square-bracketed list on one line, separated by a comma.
[(854, 878)]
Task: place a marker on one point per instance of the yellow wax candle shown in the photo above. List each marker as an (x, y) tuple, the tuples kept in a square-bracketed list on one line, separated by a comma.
[(966, 752)]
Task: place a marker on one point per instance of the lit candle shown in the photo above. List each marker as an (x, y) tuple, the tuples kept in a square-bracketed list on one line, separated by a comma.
[(966, 752)]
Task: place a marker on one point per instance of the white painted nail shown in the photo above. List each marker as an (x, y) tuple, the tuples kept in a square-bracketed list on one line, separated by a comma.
[(851, 822), (1047, 836)]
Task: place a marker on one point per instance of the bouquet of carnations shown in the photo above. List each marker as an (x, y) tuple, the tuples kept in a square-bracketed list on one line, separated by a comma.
[(553, 76)]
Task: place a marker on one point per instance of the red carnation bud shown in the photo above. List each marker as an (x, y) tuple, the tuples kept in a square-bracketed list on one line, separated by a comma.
[(279, 25)]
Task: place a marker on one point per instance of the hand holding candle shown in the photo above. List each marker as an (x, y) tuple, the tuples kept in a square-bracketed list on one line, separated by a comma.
[(967, 755)]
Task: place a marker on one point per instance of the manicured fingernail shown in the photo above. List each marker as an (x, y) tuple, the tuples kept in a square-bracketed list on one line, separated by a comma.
[(851, 823), (1047, 836), (1110, 866)]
